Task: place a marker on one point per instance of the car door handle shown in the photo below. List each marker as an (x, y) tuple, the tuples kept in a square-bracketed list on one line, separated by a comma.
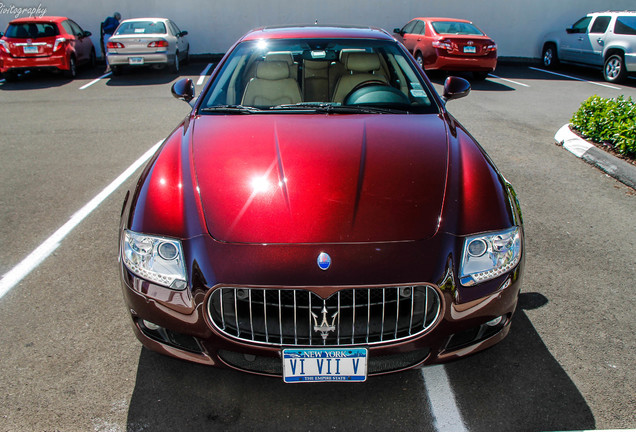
[(600, 41), (580, 38)]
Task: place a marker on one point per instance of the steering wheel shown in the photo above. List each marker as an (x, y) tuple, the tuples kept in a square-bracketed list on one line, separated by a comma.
[(375, 92)]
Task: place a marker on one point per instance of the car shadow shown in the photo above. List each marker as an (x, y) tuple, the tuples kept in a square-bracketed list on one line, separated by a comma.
[(34, 81), (147, 76), (475, 84), (516, 385)]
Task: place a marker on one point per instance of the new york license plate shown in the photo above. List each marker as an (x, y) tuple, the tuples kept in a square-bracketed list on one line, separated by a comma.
[(324, 364)]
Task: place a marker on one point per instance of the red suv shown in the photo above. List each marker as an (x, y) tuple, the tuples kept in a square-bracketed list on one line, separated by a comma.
[(53, 43), (449, 44)]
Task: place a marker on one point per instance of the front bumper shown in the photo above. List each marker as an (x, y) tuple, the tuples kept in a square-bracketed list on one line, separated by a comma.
[(177, 323)]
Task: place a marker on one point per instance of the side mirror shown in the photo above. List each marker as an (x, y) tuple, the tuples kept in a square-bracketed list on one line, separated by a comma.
[(570, 30), (183, 33), (87, 34), (183, 89), (398, 31), (455, 88)]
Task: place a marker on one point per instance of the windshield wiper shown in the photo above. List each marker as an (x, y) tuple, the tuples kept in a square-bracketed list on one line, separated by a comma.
[(231, 109), (340, 109)]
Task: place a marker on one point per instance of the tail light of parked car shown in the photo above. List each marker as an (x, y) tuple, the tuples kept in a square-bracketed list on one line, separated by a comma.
[(60, 43), (443, 44), (158, 44), (490, 48), (4, 47), (115, 45)]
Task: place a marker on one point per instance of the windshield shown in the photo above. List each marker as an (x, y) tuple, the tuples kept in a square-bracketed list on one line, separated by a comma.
[(308, 75), (458, 28), (141, 27)]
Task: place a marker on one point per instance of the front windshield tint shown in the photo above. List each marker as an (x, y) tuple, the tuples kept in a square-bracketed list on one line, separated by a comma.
[(456, 28), (141, 27), (305, 74)]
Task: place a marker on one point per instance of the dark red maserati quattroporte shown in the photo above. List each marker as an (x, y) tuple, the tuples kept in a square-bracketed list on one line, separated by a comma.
[(320, 216)]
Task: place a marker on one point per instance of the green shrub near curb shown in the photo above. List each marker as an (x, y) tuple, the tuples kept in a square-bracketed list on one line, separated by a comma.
[(608, 121)]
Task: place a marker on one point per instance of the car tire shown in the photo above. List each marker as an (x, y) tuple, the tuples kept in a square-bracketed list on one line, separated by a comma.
[(92, 62), (10, 76), (480, 76), (420, 60), (614, 69), (174, 68), (116, 70), (186, 57), (72, 68), (549, 56)]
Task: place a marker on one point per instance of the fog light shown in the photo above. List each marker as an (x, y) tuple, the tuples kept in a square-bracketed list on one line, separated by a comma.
[(150, 325), (494, 322)]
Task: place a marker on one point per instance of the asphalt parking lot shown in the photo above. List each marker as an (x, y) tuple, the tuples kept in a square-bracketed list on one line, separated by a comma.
[(69, 360)]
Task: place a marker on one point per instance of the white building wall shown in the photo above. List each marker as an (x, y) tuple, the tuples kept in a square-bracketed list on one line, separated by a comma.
[(517, 26)]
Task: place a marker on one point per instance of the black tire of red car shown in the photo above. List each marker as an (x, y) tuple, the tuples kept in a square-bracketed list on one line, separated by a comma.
[(549, 56), (174, 68), (92, 62), (420, 60), (480, 76), (72, 68), (10, 76), (116, 70), (614, 68)]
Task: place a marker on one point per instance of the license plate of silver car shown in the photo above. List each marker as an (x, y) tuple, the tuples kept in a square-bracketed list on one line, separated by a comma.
[(324, 364), (135, 60)]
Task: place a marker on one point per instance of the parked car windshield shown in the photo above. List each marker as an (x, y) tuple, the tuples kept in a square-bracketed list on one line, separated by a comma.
[(31, 30), (141, 27), (458, 28), (308, 75)]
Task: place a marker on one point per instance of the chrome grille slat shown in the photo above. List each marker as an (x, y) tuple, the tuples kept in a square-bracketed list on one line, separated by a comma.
[(351, 316)]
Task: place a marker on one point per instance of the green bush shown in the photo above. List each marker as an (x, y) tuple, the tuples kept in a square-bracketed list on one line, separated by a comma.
[(608, 121)]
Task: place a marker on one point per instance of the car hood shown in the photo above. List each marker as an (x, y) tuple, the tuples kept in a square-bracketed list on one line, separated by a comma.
[(313, 178)]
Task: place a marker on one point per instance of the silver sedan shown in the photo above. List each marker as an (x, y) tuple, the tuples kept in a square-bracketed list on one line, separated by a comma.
[(154, 42)]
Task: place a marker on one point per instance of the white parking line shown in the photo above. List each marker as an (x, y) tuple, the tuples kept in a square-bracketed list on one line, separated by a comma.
[(575, 78), (203, 74), (96, 80), (508, 80), (447, 417), (35, 258)]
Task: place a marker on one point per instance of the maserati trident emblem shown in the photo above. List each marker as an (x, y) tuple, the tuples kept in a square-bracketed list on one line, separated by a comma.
[(325, 328), (324, 261)]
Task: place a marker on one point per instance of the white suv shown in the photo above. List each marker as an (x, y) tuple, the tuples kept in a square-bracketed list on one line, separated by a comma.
[(603, 39)]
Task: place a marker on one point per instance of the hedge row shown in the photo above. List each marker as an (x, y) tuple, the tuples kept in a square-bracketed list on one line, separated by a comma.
[(608, 121)]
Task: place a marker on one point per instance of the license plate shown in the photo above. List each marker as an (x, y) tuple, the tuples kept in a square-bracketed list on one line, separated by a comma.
[(135, 60), (470, 49), (324, 364), (30, 50)]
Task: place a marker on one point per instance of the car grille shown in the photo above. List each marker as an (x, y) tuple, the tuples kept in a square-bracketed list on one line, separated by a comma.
[(355, 316)]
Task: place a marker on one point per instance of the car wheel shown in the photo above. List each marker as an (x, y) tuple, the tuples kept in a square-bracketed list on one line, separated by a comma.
[(72, 68), (175, 66), (10, 76), (480, 76), (550, 58), (92, 62), (186, 57), (614, 69), (116, 70), (420, 60)]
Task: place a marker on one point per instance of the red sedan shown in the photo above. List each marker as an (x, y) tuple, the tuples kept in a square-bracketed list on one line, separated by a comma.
[(449, 44), (45, 43), (320, 216)]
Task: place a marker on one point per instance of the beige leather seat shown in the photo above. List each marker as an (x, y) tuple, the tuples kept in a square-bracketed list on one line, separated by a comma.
[(360, 67), (271, 86)]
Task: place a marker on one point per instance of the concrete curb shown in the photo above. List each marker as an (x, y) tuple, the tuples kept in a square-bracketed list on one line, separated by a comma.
[(608, 163)]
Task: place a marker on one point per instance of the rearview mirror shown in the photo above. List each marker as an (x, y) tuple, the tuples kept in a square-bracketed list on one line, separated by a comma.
[(455, 88), (183, 89)]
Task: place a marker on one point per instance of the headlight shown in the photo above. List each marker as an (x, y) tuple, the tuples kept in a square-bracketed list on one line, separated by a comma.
[(487, 256), (156, 259)]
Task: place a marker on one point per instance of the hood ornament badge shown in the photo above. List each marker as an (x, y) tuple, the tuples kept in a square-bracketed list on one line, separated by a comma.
[(324, 328), (324, 261)]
